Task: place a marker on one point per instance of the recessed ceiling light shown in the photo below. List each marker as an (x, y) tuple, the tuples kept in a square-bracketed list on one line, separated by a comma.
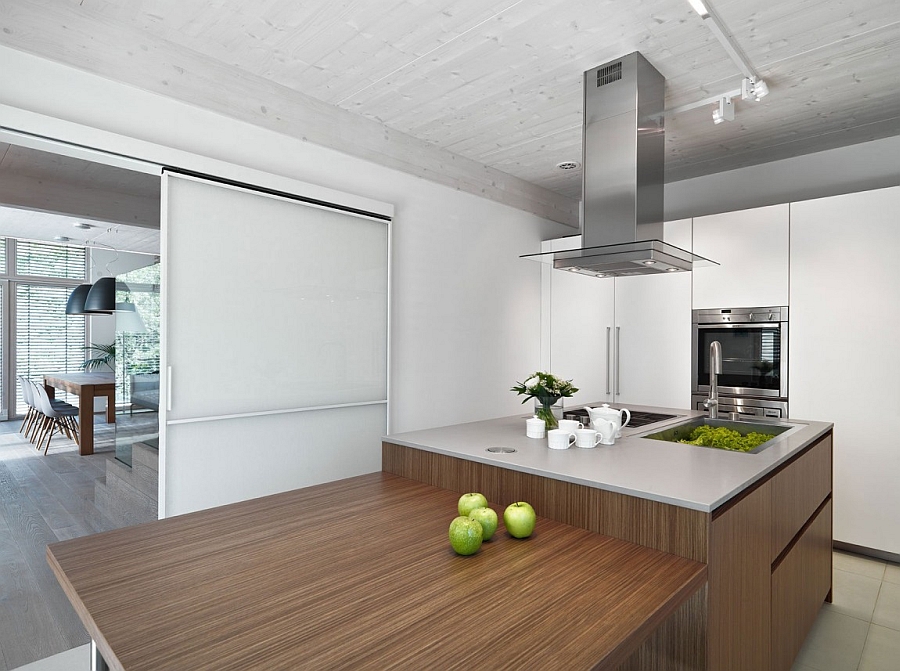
[(649, 263), (568, 165), (672, 270), (82, 226), (61, 238)]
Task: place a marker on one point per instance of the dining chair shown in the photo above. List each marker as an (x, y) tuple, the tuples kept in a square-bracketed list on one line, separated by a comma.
[(56, 418), (30, 421)]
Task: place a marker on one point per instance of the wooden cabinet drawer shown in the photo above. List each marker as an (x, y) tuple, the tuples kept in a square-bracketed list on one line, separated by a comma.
[(798, 491), (800, 583)]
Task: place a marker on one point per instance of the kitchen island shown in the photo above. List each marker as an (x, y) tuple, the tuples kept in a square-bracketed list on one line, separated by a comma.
[(761, 522)]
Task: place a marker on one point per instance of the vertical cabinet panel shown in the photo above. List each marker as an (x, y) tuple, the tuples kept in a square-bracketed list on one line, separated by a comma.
[(653, 315), (739, 584), (751, 247), (629, 334), (844, 367), (582, 321)]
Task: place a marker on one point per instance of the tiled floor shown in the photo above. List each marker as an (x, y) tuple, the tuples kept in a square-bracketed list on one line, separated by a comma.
[(860, 631)]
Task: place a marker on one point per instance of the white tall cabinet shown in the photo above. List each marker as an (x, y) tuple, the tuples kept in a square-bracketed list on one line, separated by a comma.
[(751, 248), (623, 340), (844, 361)]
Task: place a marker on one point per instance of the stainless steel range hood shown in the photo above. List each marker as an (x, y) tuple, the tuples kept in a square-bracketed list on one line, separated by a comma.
[(623, 155)]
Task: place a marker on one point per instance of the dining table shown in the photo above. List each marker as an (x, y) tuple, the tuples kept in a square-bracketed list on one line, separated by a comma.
[(87, 386)]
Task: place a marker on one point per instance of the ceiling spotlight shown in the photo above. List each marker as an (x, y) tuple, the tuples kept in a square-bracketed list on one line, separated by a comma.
[(61, 238), (82, 226), (649, 263), (725, 111), (672, 270), (754, 89), (568, 165)]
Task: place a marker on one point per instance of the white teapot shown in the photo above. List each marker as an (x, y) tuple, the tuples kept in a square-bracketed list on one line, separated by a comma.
[(606, 429), (610, 414)]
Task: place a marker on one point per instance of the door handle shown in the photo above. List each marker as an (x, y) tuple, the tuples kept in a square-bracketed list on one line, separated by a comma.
[(608, 390), (618, 329), (168, 389)]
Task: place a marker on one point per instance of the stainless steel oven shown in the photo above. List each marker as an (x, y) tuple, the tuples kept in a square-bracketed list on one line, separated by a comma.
[(754, 377)]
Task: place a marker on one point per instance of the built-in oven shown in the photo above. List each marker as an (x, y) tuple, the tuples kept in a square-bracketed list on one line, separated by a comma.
[(754, 377)]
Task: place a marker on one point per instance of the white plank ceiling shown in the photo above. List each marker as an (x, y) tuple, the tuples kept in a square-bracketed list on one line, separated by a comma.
[(42, 195), (498, 82)]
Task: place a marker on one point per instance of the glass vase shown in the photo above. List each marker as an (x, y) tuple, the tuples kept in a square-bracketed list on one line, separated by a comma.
[(549, 409)]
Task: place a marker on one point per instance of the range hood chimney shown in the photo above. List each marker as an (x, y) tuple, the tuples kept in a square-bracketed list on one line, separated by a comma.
[(623, 152)]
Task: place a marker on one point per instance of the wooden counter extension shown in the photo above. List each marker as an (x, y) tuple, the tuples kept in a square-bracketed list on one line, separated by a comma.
[(359, 574)]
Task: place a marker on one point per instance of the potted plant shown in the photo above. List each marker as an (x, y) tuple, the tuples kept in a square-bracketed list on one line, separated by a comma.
[(106, 356), (546, 389)]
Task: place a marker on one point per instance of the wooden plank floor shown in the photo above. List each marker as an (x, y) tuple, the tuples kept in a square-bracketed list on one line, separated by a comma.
[(43, 499)]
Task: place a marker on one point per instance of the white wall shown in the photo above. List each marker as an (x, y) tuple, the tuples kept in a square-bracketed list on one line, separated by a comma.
[(465, 309), (859, 167)]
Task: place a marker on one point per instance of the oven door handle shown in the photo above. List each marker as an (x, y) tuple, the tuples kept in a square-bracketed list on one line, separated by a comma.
[(740, 325)]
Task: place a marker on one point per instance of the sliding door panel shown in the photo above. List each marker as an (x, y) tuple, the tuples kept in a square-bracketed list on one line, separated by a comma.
[(274, 453), (271, 306)]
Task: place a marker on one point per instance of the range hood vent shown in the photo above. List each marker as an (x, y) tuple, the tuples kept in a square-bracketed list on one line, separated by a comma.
[(623, 154)]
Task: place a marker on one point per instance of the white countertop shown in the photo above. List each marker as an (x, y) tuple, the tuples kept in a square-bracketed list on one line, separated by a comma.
[(689, 476)]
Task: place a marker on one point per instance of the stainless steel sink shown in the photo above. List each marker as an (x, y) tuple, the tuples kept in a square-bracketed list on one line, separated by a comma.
[(682, 431)]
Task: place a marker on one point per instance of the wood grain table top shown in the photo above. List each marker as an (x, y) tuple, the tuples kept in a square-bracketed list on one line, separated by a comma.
[(71, 380), (359, 574)]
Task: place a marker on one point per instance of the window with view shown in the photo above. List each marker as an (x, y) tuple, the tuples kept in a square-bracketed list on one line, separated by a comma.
[(40, 276)]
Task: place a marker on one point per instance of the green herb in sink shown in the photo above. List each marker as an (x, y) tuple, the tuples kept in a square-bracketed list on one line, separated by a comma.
[(726, 439)]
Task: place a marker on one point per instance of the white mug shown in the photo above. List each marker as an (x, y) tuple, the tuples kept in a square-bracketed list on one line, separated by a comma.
[(560, 439), (586, 438), (535, 427), (606, 430), (570, 425)]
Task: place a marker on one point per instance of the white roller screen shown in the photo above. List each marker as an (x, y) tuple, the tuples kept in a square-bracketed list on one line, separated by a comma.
[(272, 308)]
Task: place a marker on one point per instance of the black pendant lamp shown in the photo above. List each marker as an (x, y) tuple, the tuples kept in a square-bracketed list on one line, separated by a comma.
[(101, 299), (75, 304)]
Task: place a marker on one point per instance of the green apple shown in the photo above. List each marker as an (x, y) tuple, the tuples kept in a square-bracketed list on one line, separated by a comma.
[(526, 505), (465, 535), (487, 518), (471, 501), (519, 518)]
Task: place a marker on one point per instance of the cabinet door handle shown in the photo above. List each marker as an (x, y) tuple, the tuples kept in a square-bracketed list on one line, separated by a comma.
[(607, 360), (618, 329)]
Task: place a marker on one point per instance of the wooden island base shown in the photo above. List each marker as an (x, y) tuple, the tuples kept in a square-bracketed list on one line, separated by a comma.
[(755, 611), (359, 574)]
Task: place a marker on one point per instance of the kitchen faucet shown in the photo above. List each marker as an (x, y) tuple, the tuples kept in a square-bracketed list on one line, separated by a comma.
[(715, 369)]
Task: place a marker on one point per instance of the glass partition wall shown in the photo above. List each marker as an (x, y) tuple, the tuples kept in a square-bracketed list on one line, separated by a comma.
[(137, 360)]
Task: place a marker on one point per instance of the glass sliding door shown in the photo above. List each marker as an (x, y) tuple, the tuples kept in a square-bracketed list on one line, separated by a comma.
[(137, 359), (275, 322)]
